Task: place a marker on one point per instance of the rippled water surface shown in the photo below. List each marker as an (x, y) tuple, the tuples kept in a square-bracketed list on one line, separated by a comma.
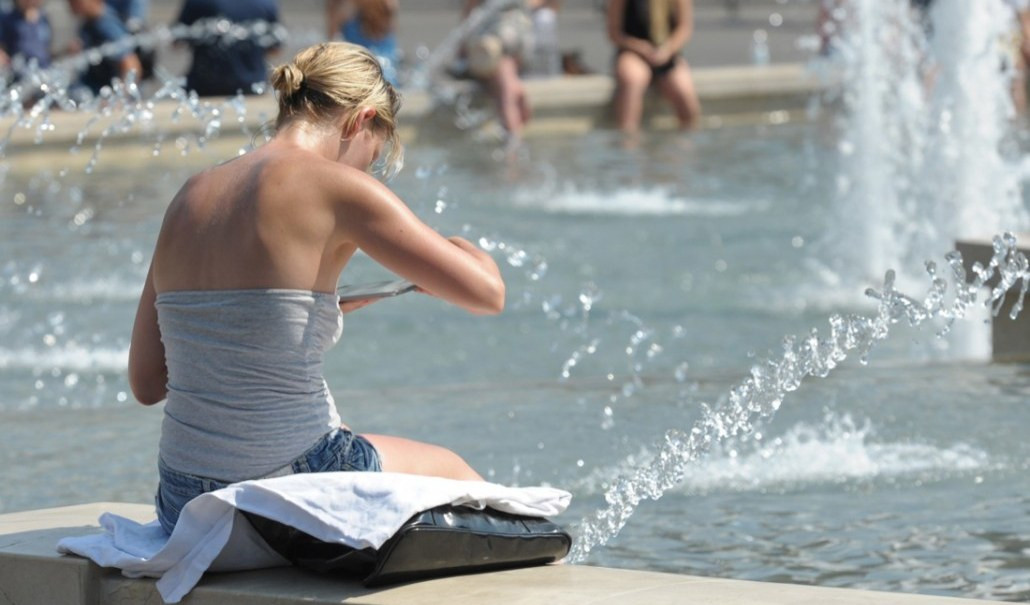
[(642, 282)]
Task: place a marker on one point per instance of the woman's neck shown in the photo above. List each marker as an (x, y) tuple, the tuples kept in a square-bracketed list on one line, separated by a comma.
[(305, 135)]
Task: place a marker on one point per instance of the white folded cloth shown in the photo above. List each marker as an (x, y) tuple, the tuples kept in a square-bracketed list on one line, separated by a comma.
[(357, 509)]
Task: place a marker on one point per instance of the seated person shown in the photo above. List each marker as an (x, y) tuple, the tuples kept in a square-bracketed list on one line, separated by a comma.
[(496, 54), (98, 25), (547, 58), (25, 37), (369, 23), (133, 13), (221, 68), (240, 307), (648, 36)]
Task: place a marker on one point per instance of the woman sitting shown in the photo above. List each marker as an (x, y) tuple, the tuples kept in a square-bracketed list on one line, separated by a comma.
[(240, 304), (648, 36)]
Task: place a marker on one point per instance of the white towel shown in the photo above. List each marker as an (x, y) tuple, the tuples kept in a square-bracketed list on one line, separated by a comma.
[(357, 509)]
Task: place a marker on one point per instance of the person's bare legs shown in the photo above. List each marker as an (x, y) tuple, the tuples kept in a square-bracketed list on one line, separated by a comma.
[(632, 77), (400, 455), (510, 95), (677, 87)]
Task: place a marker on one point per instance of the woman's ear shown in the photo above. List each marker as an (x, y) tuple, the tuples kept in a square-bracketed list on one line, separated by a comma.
[(364, 118)]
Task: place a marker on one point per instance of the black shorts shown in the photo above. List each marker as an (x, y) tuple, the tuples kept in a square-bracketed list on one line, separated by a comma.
[(656, 71)]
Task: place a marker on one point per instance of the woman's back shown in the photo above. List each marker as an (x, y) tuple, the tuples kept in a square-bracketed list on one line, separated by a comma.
[(246, 393), (254, 222)]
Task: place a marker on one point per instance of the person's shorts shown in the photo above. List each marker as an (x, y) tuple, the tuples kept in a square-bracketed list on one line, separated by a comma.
[(338, 450), (656, 71)]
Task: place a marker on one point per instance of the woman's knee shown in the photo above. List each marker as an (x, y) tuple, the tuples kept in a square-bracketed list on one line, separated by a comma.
[(632, 74)]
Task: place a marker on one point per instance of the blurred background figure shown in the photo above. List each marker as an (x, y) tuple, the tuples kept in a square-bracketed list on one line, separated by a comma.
[(648, 36), (223, 67), (369, 23), (99, 25), (547, 58), (495, 54), (25, 38), (1016, 52), (133, 13)]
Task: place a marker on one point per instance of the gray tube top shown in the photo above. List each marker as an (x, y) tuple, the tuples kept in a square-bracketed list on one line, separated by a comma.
[(246, 393)]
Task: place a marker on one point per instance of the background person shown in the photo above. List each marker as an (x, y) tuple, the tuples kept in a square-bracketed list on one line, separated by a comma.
[(239, 305), (648, 36), (25, 37), (495, 55), (368, 23), (547, 57), (225, 68), (133, 13), (98, 25)]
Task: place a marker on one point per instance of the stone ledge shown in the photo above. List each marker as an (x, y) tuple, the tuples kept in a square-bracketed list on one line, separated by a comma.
[(723, 90), (32, 573)]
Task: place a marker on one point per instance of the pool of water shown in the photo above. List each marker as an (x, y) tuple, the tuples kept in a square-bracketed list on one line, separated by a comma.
[(643, 283)]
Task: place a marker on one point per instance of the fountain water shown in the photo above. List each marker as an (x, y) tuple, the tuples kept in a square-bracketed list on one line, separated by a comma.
[(762, 394), (925, 131)]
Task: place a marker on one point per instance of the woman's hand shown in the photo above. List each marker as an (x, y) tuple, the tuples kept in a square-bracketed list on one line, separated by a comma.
[(349, 306), (660, 55)]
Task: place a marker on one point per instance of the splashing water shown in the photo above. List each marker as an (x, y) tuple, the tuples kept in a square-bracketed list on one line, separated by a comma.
[(121, 109), (762, 394), (836, 449), (924, 134)]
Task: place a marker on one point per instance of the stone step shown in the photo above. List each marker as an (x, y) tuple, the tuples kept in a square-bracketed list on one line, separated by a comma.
[(33, 573)]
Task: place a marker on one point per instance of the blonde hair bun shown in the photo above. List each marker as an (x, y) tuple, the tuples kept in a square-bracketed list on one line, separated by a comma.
[(287, 79), (334, 80)]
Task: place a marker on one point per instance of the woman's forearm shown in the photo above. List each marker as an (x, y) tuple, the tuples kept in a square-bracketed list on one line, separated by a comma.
[(684, 29)]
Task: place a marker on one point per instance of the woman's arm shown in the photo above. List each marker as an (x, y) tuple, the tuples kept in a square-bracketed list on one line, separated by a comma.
[(616, 12), (148, 374), (679, 36), (388, 231)]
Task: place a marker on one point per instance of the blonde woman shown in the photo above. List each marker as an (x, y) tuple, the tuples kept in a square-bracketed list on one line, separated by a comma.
[(240, 304), (649, 36)]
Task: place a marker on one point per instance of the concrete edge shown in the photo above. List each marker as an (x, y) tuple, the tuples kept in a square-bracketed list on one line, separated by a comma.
[(723, 91), (32, 573)]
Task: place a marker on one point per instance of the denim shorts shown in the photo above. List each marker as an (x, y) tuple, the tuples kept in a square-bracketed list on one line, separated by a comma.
[(337, 450)]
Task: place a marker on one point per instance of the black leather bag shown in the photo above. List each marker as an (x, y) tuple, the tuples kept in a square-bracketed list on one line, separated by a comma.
[(441, 541)]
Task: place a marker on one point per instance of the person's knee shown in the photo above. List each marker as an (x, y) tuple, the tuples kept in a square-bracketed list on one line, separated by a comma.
[(632, 81), (457, 467), (632, 74)]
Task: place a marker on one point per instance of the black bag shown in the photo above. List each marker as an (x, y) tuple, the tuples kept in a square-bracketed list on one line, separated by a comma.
[(441, 541)]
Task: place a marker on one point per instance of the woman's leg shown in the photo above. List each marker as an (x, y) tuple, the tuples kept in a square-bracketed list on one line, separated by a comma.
[(400, 455), (512, 104), (632, 77), (678, 87)]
